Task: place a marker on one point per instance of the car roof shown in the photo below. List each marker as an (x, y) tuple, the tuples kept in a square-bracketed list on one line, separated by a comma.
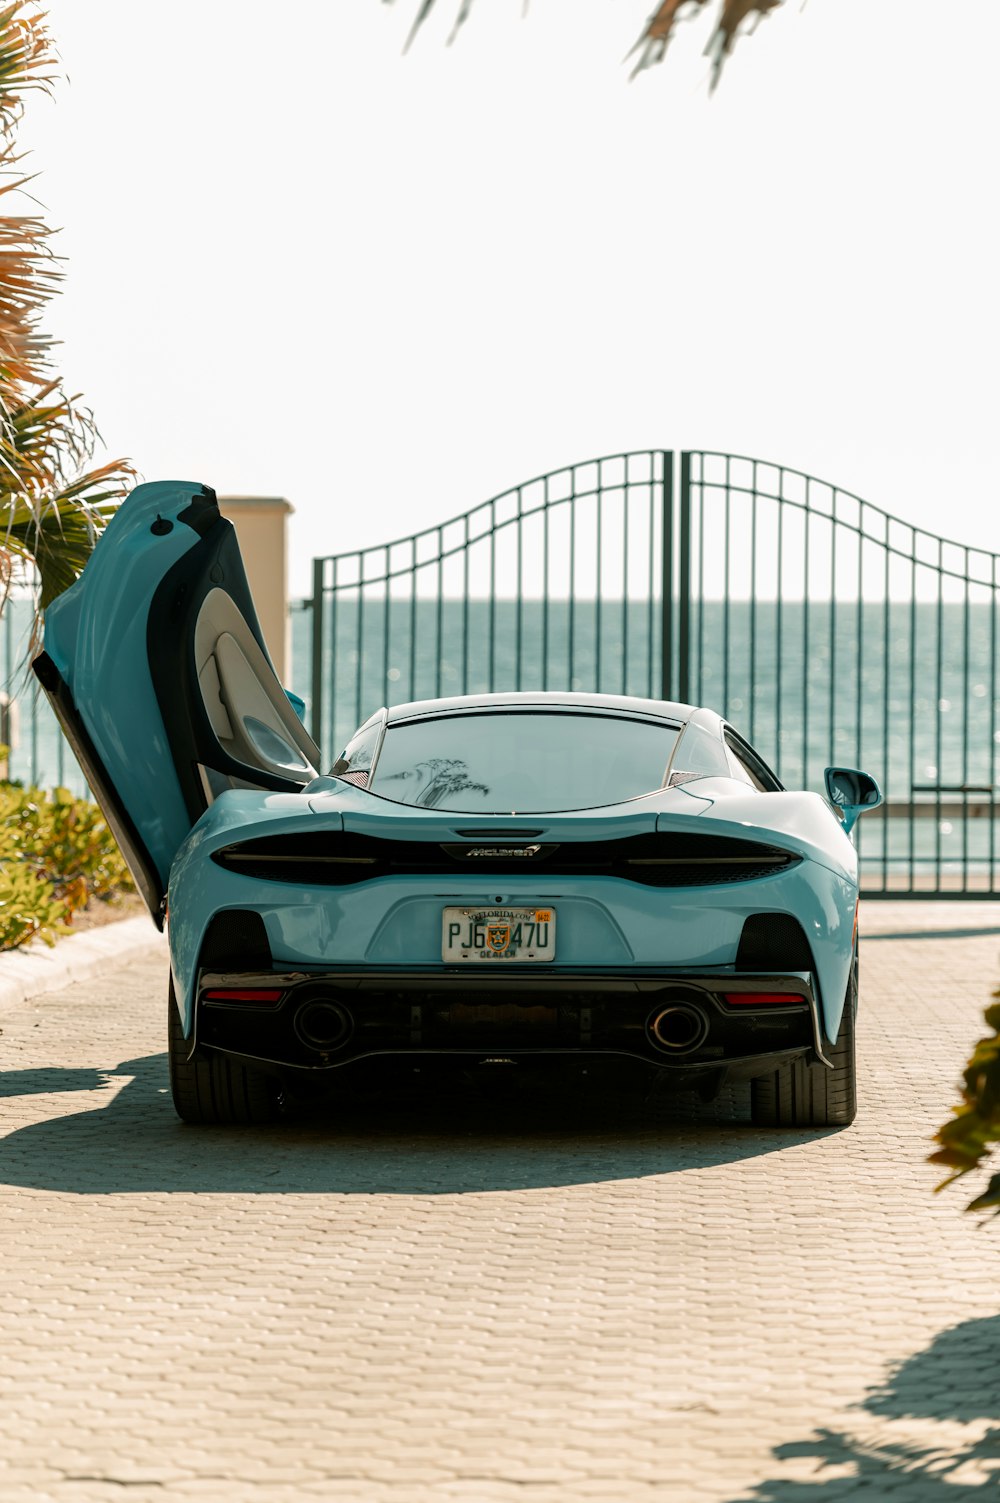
[(543, 700)]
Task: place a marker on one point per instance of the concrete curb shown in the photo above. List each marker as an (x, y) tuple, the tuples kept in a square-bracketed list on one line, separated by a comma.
[(37, 969)]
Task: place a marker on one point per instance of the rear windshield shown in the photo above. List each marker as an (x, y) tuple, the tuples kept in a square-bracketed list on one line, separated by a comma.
[(522, 763)]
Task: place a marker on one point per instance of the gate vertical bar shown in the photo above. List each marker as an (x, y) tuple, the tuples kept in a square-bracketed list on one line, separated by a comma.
[(412, 675), (545, 584), (651, 586), (439, 616), (912, 832), (667, 578), (889, 786), (966, 643), (624, 629), (359, 628), (753, 603), (938, 727), (598, 581), (519, 612), (727, 530), (492, 619), (317, 651), (991, 765), (684, 585), (778, 624), (386, 628)]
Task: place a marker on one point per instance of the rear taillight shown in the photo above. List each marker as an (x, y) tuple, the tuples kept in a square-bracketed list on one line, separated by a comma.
[(762, 999), (262, 996)]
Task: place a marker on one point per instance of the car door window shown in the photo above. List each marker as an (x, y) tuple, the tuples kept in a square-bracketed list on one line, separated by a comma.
[(748, 767), (354, 764), (699, 754)]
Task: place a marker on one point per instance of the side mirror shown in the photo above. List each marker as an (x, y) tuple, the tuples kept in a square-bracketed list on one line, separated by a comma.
[(852, 792), (297, 704)]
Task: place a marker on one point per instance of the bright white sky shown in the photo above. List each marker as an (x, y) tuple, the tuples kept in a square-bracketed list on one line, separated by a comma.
[(389, 287)]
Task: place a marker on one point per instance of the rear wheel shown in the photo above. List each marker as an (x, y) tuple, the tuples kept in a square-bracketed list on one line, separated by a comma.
[(212, 1088), (802, 1095)]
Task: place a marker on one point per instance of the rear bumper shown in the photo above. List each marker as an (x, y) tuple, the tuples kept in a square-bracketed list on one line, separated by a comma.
[(391, 927), (681, 1023)]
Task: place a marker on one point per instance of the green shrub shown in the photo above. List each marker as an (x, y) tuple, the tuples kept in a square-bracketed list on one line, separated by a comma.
[(29, 908), (56, 853), (969, 1137)]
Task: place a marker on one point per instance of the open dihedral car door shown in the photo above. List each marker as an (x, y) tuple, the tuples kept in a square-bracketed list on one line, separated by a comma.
[(155, 665)]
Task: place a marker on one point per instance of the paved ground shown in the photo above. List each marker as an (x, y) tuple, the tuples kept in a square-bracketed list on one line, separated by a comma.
[(496, 1299)]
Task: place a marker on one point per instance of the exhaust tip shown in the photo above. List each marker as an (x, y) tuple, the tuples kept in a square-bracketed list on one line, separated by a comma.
[(679, 1028), (323, 1025)]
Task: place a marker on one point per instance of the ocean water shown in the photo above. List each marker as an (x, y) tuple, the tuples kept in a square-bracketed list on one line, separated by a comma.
[(911, 691), (908, 691)]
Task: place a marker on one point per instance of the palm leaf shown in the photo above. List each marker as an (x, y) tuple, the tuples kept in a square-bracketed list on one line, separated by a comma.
[(29, 274), (659, 29), (26, 58), (57, 508), (657, 32), (53, 504), (58, 540)]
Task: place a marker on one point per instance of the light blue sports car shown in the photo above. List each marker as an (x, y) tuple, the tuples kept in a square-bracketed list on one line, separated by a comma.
[(502, 879)]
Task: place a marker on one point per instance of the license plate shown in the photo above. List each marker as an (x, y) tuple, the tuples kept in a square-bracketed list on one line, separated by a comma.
[(498, 934)]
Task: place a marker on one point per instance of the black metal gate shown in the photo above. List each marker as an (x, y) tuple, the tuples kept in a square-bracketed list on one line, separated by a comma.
[(825, 629)]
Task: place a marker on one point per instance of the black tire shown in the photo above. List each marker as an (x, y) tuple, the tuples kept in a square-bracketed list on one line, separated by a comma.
[(214, 1089), (801, 1095)]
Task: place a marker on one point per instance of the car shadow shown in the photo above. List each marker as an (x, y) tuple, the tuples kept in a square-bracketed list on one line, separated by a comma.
[(930, 1431), (422, 1141), (47, 1081)]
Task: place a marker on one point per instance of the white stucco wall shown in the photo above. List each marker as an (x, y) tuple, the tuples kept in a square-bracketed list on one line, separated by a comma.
[(260, 523)]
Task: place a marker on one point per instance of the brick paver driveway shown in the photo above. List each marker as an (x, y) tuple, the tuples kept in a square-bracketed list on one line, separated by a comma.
[(496, 1298)]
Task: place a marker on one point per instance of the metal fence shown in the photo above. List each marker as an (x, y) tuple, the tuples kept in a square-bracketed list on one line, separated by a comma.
[(825, 629), (38, 753), (833, 631), (554, 584)]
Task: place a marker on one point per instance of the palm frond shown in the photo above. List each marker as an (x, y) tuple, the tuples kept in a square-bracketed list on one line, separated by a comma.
[(655, 38), (58, 540), (27, 58), (53, 505), (52, 508), (426, 6), (656, 34), (460, 19), (29, 274)]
